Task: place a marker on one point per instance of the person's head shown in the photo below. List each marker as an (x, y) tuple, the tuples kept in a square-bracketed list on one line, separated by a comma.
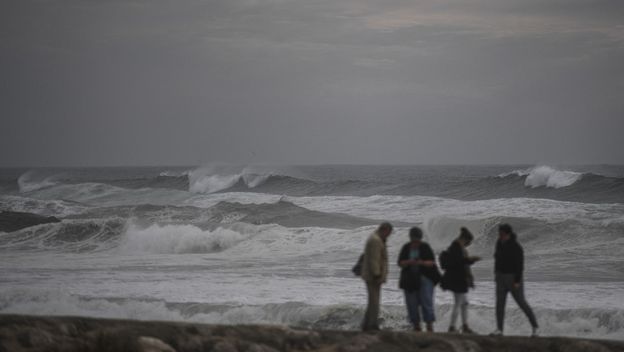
[(415, 235), (384, 230), (505, 232), (465, 237)]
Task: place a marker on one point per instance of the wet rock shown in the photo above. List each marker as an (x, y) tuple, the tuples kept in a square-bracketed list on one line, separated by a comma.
[(73, 334), (152, 344)]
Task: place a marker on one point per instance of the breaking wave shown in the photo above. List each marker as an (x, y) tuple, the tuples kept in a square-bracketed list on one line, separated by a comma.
[(546, 176), (41, 207), (66, 236), (535, 182), (205, 180), (179, 239), (28, 182), (171, 229)]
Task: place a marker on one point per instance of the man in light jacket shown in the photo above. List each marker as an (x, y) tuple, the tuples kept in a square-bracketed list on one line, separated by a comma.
[(374, 273)]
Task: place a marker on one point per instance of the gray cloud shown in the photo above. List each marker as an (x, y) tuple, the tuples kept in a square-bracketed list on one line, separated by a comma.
[(275, 81)]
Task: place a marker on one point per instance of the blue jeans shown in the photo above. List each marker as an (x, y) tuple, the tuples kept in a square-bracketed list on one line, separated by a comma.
[(421, 299)]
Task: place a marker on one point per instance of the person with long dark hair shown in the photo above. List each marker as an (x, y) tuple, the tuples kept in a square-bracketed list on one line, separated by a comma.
[(458, 277)]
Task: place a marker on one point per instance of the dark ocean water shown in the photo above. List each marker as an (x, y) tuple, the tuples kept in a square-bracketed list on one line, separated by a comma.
[(242, 244)]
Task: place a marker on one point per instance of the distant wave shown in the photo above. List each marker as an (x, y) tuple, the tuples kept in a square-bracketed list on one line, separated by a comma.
[(543, 182), (66, 236), (40, 207), (548, 182), (536, 182), (205, 180), (33, 180), (167, 182), (536, 234), (95, 235), (169, 173), (546, 176), (170, 229), (28, 182), (288, 214)]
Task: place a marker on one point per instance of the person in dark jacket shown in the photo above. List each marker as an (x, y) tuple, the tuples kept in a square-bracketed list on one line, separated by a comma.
[(508, 269), (458, 278), (419, 275)]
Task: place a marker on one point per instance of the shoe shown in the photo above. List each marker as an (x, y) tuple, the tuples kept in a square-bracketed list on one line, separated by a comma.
[(452, 329), (429, 327), (496, 333), (535, 333), (466, 330)]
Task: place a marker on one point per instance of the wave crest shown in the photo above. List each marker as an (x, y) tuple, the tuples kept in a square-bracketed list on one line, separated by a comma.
[(545, 176), (28, 183), (210, 180), (178, 239)]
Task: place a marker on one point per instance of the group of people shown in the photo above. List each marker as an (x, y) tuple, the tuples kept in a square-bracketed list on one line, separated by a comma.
[(420, 275)]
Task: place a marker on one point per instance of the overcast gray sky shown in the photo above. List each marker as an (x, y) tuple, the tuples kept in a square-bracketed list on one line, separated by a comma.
[(311, 81)]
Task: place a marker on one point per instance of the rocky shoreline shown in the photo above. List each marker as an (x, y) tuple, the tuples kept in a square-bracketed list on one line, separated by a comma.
[(65, 334)]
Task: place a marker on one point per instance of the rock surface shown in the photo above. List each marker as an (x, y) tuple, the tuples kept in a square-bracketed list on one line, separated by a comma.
[(65, 334), (12, 220)]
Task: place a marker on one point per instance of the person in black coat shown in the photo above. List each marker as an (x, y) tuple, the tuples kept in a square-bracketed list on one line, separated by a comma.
[(508, 270), (458, 277), (419, 275)]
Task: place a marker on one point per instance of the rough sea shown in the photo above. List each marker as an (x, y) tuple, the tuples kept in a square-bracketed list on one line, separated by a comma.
[(263, 244)]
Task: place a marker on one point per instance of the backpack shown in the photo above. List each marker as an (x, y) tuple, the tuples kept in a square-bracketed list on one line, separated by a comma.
[(357, 268), (444, 259)]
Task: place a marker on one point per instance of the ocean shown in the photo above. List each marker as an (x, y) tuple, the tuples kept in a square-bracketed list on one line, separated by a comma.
[(275, 244)]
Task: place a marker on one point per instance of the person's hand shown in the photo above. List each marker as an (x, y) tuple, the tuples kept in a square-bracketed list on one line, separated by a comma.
[(427, 263), (516, 285), (475, 258)]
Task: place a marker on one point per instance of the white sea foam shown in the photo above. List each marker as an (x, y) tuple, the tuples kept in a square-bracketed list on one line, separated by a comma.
[(546, 176), (211, 183), (169, 173), (28, 183), (519, 172), (593, 323), (254, 180), (541, 176), (41, 207), (417, 209), (178, 239), (212, 179), (241, 240)]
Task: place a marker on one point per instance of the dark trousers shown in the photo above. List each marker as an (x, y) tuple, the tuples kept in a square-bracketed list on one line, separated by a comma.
[(372, 310), (421, 299), (504, 285)]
